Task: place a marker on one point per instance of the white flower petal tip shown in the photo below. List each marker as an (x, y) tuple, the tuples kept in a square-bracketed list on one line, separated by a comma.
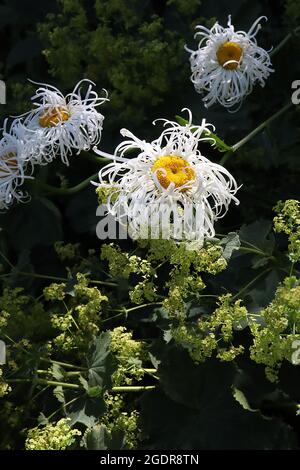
[(168, 174), (228, 63)]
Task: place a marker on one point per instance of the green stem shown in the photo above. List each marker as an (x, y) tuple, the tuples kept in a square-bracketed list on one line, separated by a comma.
[(257, 252), (114, 316), (7, 260), (259, 128), (133, 389), (208, 296), (251, 250), (125, 310), (69, 374), (63, 364), (63, 279), (142, 306), (249, 244), (225, 157), (64, 406), (66, 191), (94, 158), (246, 287), (256, 131), (78, 387), (284, 41), (46, 382)]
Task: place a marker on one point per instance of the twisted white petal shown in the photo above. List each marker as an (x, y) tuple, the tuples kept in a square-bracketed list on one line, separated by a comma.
[(216, 81), (137, 190), (77, 125)]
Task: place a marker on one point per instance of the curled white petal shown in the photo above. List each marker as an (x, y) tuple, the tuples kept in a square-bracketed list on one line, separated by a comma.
[(80, 131)]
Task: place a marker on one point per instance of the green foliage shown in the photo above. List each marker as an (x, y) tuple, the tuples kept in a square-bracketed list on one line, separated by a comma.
[(276, 333), (124, 47), (288, 221), (201, 404)]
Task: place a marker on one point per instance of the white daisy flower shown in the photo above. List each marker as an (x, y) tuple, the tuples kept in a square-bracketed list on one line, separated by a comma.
[(169, 179), (228, 63), (13, 163), (60, 125)]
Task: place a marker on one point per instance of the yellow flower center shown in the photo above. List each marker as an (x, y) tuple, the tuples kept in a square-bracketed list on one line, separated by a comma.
[(229, 51), (53, 116), (171, 169), (11, 163)]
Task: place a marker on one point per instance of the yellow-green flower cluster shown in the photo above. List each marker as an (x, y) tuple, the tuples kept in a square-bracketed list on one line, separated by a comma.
[(12, 300), (22, 317), (288, 222), (12, 423), (119, 419), (4, 315), (67, 251), (121, 264), (184, 264), (185, 276), (104, 191), (278, 330), (128, 41), (191, 338), (130, 354), (55, 291), (227, 317), (57, 436), (203, 338), (4, 387), (78, 319)]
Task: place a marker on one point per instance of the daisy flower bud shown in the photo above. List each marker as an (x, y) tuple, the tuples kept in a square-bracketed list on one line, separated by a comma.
[(228, 63), (168, 182), (60, 125)]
